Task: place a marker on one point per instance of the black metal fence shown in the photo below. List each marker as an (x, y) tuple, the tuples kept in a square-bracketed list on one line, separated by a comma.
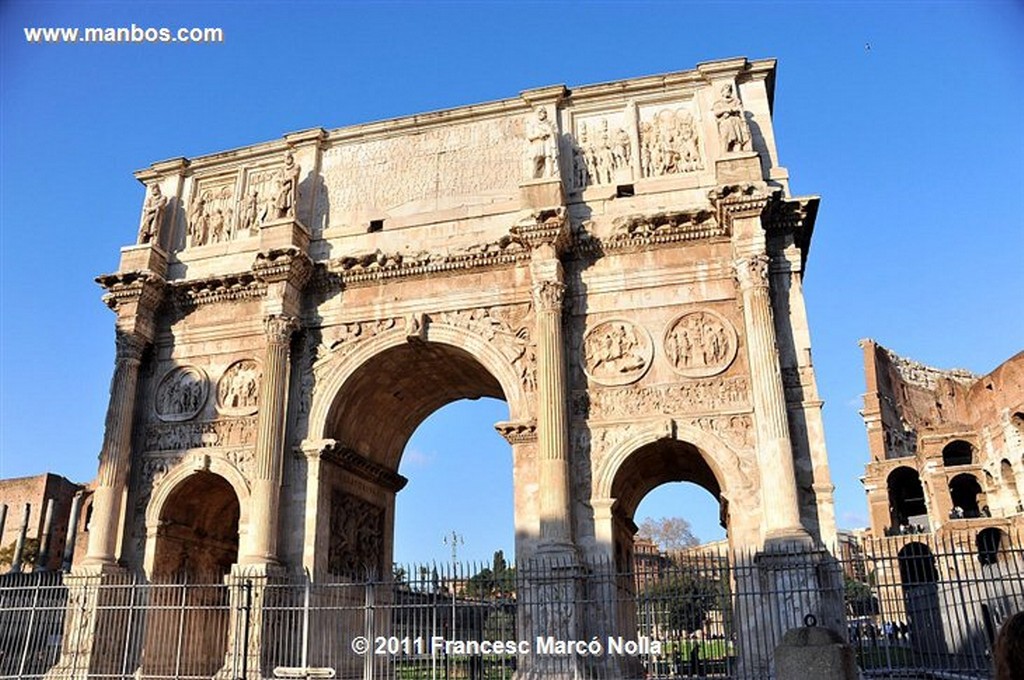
[(910, 606)]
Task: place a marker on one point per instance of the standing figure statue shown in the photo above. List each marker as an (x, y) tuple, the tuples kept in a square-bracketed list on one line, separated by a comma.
[(540, 132), (152, 215), (732, 126), (287, 188)]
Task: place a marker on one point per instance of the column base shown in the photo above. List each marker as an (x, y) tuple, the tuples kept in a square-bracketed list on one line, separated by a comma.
[(82, 652), (788, 540)]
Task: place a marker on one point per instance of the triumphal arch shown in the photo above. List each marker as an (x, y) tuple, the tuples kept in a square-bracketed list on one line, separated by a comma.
[(621, 263)]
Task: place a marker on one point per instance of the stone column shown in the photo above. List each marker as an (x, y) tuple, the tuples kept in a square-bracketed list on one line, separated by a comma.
[(270, 432), (782, 514), (552, 416), (19, 543), (43, 557), (115, 457), (72, 535)]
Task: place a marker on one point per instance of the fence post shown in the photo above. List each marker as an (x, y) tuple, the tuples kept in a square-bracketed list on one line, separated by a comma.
[(28, 634), (368, 628)]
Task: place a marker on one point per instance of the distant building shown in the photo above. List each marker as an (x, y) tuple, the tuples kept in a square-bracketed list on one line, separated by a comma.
[(944, 488), (947, 447), (35, 492)]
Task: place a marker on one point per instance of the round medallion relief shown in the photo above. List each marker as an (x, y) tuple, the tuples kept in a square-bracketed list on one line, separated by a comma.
[(700, 344), (617, 352), (238, 391), (181, 394)]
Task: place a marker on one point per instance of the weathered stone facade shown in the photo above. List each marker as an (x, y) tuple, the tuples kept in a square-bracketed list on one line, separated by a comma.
[(36, 492), (621, 263), (945, 476), (947, 447)]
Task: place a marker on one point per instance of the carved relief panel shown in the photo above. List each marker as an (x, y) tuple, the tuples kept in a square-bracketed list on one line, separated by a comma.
[(617, 352), (670, 140), (602, 149), (238, 390), (212, 210), (700, 344), (259, 188), (357, 536), (181, 394)]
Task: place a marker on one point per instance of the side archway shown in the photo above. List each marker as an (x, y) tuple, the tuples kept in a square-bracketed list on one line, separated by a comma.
[(200, 489), (669, 451)]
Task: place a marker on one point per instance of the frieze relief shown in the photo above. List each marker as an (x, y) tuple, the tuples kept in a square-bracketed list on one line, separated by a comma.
[(669, 142), (700, 344), (697, 396), (506, 327), (196, 435), (181, 394), (238, 390), (617, 352), (602, 151), (357, 531), (217, 214), (211, 213), (735, 430)]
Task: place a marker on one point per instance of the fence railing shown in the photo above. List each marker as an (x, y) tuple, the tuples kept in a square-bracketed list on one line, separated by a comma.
[(910, 607)]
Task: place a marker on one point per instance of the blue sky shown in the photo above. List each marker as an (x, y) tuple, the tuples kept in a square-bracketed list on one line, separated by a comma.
[(905, 118)]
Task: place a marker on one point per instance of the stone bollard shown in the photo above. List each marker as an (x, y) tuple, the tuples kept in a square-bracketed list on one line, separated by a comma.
[(814, 652)]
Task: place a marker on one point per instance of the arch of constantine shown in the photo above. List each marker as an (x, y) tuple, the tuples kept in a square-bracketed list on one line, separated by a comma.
[(621, 263)]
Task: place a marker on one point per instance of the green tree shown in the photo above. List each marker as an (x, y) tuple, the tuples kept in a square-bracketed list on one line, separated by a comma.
[(668, 533), (29, 553), (860, 598), (498, 580), (681, 600)]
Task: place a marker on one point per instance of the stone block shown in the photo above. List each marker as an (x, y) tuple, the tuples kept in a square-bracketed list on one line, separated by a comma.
[(735, 168), (814, 652), (144, 257), (284, 233), (540, 194)]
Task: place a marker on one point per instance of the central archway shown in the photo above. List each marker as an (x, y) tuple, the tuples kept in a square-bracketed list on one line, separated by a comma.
[(381, 393)]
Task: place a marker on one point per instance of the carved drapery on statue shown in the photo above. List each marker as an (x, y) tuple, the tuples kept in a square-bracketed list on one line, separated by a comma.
[(733, 131), (152, 215)]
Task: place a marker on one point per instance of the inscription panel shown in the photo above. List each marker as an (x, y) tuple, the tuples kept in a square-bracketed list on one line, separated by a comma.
[(479, 157)]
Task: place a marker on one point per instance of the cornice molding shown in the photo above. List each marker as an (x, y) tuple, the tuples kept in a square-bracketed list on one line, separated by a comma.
[(364, 468), (144, 288)]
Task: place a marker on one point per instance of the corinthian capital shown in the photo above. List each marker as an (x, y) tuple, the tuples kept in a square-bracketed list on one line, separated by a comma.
[(752, 271), (129, 346), (279, 328), (548, 295)]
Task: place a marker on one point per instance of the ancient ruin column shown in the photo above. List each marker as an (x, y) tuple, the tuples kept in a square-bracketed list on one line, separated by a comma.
[(782, 512), (72, 535), (552, 417), (115, 457), (270, 431)]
